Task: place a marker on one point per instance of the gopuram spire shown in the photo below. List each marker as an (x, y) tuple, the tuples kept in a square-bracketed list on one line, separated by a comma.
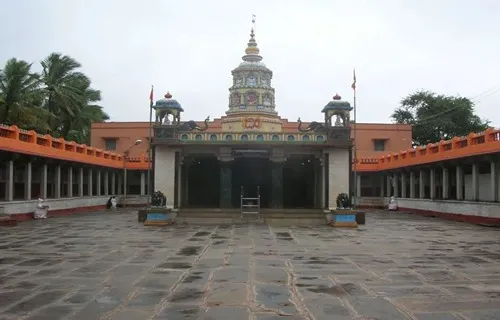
[(252, 51)]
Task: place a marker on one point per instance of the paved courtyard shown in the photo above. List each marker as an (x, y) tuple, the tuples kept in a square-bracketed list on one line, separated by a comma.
[(107, 266)]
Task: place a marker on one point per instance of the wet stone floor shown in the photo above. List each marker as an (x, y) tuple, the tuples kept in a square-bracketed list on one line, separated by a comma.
[(107, 266)]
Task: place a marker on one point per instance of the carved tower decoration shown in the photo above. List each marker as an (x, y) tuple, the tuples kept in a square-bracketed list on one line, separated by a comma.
[(337, 118), (251, 90)]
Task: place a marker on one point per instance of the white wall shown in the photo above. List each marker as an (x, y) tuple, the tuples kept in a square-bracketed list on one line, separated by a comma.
[(338, 174), (15, 207), (482, 209), (164, 172)]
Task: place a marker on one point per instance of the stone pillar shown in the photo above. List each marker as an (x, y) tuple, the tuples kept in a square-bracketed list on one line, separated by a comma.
[(338, 174), (179, 183), (70, 182), (323, 182), (388, 186), (226, 172), (143, 182), (460, 183), (412, 185), (475, 182), (90, 188), (43, 181), (57, 182), (28, 179), (165, 178), (9, 180), (493, 181), (80, 182), (403, 185), (395, 184), (277, 184), (446, 184), (113, 183), (98, 182), (358, 187), (120, 185), (432, 183), (382, 189), (421, 185), (106, 183)]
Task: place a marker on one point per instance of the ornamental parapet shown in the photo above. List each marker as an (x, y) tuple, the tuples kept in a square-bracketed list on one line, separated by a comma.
[(13, 139), (475, 144)]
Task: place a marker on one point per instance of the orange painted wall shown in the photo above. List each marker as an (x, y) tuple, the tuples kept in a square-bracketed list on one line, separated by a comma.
[(126, 134)]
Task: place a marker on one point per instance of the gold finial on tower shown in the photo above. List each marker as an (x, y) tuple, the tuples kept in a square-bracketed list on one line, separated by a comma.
[(252, 48)]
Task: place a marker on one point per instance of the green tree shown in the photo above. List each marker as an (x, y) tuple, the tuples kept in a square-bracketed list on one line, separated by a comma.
[(77, 127), (438, 117), (62, 90), (20, 96), (59, 101)]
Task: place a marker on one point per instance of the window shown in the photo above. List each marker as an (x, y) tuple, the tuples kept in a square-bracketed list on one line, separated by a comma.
[(110, 144), (290, 138), (260, 137), (198, 137), (184, 137), (320, 138), (244, 137), (305, 138), (379, 145), (229, 137), (213, 137), (276, 137)]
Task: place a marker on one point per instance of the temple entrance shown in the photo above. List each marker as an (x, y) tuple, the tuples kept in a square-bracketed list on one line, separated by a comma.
[(299, 183), (202, 183), (250, 173)]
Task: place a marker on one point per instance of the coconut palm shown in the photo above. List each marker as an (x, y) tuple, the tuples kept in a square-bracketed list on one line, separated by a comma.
[(77, 127), (63, 94), (20, 96)]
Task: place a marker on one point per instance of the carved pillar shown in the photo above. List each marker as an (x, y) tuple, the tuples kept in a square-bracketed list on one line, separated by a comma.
[(69, 186), (9, 181), (43, 181), (403, 185), (226, 177), (57, 182), (277, 184), (412, 185), (225, 184), (28, 179), (446, 184)]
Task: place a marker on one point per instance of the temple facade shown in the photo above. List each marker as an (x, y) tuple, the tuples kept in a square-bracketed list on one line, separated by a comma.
[(252, 149)]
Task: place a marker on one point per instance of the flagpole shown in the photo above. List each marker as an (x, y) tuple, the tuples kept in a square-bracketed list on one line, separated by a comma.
[(150, 156), (355, 143)]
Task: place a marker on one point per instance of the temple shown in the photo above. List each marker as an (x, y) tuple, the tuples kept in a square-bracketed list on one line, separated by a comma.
[(252, 149), (294, 165)]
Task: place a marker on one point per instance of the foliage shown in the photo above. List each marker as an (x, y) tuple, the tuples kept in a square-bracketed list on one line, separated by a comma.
[(159, 199), (343, 201), (438, 117), (58, 101)]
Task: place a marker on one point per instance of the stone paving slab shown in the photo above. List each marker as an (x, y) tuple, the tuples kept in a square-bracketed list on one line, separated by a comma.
[(107, 266)]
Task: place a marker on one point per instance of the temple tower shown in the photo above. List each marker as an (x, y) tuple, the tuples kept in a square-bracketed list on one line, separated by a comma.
[(251, 97)]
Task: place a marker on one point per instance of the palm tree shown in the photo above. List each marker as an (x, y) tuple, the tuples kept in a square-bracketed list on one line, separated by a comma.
[(77, 127), (20, 96), (63, 94)]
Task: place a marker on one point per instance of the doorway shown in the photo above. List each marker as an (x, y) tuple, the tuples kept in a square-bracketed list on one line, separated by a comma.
[(250, 173)]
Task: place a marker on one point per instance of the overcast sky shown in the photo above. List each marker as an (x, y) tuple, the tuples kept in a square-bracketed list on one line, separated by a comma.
[(190, 48)]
